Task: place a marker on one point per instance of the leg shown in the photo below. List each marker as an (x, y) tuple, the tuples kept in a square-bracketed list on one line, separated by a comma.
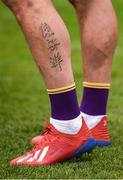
[(98, 27), (47, 47), (49, 42)]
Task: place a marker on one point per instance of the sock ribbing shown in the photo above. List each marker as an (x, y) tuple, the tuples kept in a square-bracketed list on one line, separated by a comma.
[(96, 85), (61, 90), (95, 98), (64, 104)]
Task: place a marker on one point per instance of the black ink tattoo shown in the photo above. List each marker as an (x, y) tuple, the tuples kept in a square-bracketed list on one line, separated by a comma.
[(56, 61), (52, 44), (46, 30)]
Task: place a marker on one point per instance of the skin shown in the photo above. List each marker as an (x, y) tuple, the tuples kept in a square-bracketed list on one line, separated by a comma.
[(98, 29), (48, 39)]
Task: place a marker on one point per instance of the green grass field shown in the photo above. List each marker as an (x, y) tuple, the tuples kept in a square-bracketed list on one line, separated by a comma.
[(24, 104)]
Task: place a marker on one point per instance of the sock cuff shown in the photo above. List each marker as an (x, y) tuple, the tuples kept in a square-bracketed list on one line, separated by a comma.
[(62, 89), (97, 85)]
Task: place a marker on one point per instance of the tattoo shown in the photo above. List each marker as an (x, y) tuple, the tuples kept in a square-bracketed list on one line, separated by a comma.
[(56, 61), (46, 30), (52, 45)]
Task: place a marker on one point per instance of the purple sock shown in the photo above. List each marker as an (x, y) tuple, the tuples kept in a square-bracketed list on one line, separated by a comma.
[(94, 101), (64, 106)]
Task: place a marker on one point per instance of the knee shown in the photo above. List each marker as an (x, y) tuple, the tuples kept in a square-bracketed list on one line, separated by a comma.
[(10, 3), (79, 5), (17, 7), (14, 6)]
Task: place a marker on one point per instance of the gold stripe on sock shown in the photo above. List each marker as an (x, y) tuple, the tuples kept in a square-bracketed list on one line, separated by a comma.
[(61, 90), (97, 85)]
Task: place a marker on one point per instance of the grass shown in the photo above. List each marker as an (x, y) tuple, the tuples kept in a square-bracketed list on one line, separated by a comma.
[(24, 104)]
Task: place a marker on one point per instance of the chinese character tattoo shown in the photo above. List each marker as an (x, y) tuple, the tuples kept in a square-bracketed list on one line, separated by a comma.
[(53, 46)]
